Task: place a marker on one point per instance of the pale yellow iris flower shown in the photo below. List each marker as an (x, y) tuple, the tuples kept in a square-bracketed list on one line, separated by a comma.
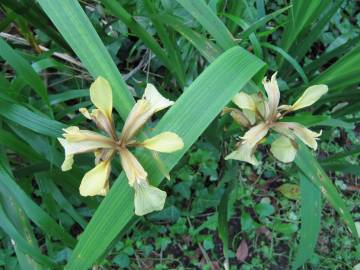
[(96, 181), (263, 115)]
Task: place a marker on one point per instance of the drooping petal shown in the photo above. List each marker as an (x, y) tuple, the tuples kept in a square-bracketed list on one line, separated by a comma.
[(291, 129), (306, 135), (245, 152), (310, 96), (244, 101), (138, 116), (148, 198), (95, 181), (165, 142), (283, 149), (273, 93), (256, 133), (131, 166), (72, 147), (156, 100), (74, 134), (283, 128), (101, 96)]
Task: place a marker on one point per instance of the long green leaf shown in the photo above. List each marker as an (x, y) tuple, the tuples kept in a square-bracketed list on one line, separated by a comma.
[(310, 167), (75, 27), (310, 220), (189, 117)]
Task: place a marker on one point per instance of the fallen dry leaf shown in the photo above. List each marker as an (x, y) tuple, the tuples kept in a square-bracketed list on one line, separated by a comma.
[(242, 252)]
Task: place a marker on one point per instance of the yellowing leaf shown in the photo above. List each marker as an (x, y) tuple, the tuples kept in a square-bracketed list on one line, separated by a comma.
[(290, 191)]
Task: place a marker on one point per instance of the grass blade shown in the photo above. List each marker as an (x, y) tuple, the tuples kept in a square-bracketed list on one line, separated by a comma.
[(230, 72), (290, 59)]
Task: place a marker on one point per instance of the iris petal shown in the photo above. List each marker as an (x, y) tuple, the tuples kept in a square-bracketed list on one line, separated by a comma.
[(148, 198), (95, 181), (165, 142)]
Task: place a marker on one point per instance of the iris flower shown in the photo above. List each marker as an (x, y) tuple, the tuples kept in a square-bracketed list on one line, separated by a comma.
[(96, 181), (264, 115)]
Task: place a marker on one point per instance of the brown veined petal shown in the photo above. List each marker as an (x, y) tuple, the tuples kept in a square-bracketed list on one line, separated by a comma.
[(78, 147), (284, 149), (147, 198), (103, 155), (103, 123), (101, 96), (245, 152), (138, 116), (255, 134), (156, 100), (310, 96), (74, 134), (244, 101), (238, 116), (273, 93), (96, 181), (283, 128), (131, 166), (165, 142)]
